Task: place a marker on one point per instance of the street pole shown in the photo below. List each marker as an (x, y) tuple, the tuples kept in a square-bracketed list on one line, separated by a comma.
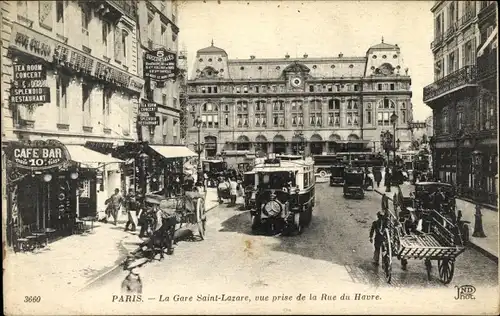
[(394, 142)]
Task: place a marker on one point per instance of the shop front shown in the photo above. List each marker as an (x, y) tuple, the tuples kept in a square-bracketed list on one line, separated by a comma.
[(40, 189), (279, 144)]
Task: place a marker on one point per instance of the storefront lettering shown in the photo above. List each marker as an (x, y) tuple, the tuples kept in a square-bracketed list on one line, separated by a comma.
[(37, 155), (32, 45)]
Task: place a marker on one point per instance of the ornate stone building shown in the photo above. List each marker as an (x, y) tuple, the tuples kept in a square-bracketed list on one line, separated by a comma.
[(271, 104), (463, 97)]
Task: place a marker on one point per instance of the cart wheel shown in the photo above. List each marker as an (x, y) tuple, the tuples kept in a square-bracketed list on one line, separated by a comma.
[(387, 257), (446, 269), (428, 267), (200, 218)]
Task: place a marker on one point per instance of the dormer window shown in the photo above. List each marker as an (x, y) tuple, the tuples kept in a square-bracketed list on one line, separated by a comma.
[(210, 60)]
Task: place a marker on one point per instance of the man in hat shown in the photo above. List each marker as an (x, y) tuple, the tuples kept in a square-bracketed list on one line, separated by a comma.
[(132, 207), (377, 229), (114, 203)]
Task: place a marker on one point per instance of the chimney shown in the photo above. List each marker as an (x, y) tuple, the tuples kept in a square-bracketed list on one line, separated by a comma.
[(305, 55), (252, 57), (287, 56), (341, 55)]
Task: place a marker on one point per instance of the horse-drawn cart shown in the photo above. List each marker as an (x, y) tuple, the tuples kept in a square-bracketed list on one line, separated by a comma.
[(427, 235)]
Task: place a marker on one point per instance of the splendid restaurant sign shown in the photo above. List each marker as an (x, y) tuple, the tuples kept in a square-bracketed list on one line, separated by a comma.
[(37, 155)]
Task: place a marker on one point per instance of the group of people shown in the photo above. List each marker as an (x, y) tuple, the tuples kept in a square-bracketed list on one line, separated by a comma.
[(132, 206)]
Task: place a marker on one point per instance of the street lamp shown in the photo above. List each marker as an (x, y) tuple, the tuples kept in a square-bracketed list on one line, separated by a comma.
[(199, 146), (394, 119)]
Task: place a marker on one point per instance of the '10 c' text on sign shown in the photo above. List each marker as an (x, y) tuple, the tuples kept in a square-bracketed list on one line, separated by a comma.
[(37, 155)]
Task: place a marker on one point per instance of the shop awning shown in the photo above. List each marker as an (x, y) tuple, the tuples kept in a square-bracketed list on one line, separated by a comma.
[(89, 158), (173, 151)]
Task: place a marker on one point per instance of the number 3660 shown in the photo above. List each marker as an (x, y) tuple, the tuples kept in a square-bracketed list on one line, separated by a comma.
[(32, 299)]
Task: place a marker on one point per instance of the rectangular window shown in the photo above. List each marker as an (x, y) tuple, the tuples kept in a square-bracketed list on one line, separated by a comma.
[(163, 35), (62, 99), (125, 46), (164, 99), (209, 89), (45, 14), (257, 89), (459, 121), (379, 87), (60, 11), (356, 87), (238, 90), (368, 117), (106, 110), (226, 119), (311, 88), (86, 103), (330, 88), (392, 86)]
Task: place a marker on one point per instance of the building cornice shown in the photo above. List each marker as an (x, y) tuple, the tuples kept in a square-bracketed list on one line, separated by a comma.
[(298, 60), (311, 80), (201, 96)]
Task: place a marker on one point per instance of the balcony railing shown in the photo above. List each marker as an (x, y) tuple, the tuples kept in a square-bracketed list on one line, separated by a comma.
[(467, 17), (487, 64), (127, 7), (451, 30), (438, 40), (464, 76)]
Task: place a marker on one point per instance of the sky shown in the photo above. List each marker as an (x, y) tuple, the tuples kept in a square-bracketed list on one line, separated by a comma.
[(271, 29)]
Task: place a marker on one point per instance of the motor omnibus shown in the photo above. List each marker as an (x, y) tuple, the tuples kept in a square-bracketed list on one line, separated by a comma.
[(322, 163)]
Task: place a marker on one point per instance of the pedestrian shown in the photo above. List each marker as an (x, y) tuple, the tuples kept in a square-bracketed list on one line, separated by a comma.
[(233, 190), (377, 174), (377, 229), (387, 180), (114, 203), (132, 206)]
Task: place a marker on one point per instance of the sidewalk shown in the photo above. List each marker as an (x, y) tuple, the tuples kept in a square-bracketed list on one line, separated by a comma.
[(74, 262), (489, 244)]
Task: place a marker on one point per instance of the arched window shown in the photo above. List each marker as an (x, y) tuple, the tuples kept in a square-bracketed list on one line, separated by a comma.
[(260, 114)]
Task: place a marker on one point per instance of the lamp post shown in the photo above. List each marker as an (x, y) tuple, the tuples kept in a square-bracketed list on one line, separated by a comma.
[(478, 221), (199, 146), (394, 119)]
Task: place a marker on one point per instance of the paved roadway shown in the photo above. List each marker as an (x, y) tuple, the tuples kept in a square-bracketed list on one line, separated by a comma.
[(335, 247)]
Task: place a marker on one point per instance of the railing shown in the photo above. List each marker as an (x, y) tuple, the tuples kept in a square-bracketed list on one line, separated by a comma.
[(451, 30), (467, 17), (438, 40), (127, 7), (463, 76), (487, 65)]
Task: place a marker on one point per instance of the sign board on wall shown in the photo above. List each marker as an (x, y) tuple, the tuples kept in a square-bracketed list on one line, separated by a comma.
[(29, 85), (149, 121), (37, 155), (160, 65), (417, 125)]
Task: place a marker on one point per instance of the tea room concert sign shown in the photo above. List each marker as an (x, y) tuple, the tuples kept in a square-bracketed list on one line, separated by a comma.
[(37, 155), (29, 85)]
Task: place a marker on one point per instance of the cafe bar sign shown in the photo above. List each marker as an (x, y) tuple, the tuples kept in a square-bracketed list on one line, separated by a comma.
[(36, 44), (37, 155)]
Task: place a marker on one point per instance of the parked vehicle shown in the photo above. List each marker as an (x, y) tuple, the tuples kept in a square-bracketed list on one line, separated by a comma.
[(337, 175), (354, 183), (285, 195)]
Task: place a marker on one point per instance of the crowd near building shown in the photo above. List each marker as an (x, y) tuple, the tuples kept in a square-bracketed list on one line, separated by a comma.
[(464, 97), (329, 104), (91, 53)]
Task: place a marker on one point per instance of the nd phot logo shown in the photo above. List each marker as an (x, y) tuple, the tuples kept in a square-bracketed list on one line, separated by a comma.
[(465, 292)]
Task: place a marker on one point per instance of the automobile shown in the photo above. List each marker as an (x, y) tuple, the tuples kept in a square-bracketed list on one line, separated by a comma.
[(337, 175), (249, 189), (214, 169), (284, 196), (354, 183)]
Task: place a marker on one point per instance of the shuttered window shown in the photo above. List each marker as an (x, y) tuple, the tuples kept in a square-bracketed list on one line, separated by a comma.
[(45, 13)]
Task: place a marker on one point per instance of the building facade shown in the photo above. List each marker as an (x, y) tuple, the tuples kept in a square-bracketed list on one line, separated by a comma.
[(463, 97), (90, 54), (158, 29), (272, 104)]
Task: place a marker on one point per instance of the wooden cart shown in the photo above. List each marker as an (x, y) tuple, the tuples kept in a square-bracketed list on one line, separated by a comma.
[(438, 240)]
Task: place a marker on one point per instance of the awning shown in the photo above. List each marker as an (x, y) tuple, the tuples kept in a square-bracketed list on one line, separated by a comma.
[(89, 158), (488, 41), (173, 151)]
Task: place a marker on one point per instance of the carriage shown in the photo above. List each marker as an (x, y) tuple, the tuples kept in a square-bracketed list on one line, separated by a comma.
[(423, 231), (284, 195), (354, 183), (171, 214), (214, 169), (337, 175)]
